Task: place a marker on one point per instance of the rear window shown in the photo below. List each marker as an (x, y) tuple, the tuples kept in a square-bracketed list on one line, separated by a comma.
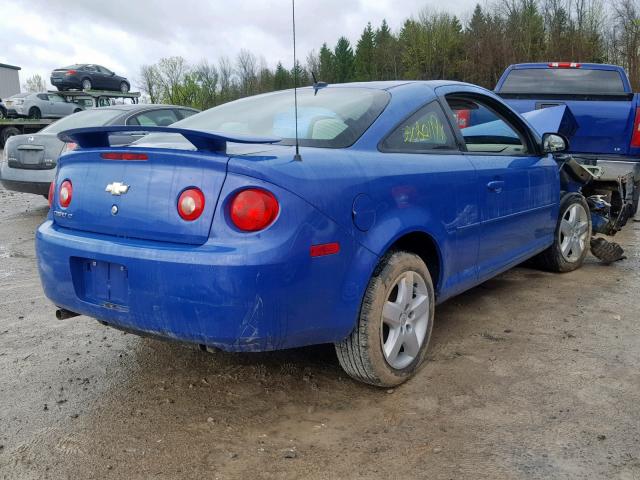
[(567, 81), (88, 118), (330, 117)]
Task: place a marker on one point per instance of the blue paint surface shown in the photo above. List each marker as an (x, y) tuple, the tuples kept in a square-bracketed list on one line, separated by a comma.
[(207, 282)]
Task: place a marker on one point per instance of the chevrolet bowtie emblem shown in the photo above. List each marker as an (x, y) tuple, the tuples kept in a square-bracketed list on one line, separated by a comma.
[(117, 188)]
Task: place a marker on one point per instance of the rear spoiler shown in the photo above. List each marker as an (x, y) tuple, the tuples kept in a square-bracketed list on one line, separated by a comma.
[(98, 137)]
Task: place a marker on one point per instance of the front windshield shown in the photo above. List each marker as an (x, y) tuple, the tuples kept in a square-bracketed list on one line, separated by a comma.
[(332, 117), (88, 118)]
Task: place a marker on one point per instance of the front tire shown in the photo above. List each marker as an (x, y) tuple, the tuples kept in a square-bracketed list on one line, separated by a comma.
[(572, 236), (390, 340), (124, 87)]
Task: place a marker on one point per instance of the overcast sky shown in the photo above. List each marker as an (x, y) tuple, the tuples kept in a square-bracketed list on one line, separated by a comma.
[(40, 35)]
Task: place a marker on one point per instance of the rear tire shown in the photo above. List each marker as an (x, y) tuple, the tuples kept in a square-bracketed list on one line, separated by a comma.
[(86, 84), (571, 237), (124, 87), (35, 113), (390, 339), (77, 110), (8, 132)]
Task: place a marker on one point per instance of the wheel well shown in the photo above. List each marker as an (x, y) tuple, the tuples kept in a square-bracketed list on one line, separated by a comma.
[(423, 245)]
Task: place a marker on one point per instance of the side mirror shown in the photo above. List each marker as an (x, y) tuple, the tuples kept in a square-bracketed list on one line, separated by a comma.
[(554, 143)]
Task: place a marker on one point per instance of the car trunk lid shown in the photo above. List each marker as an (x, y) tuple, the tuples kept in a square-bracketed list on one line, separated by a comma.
[(35, 152), (138, 197)]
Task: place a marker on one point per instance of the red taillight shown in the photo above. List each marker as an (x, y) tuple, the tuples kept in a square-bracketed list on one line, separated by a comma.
[(65, 193), (50, 195), (253, 209), (70, 72), (191, 204), (635, 138), (124, 156), (564, 65)]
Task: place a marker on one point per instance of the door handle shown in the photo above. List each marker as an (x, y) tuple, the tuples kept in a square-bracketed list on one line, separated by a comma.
[(495, 186)]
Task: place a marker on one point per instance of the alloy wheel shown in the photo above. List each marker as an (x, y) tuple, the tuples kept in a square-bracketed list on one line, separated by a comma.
[(405, 320), (573, 232)]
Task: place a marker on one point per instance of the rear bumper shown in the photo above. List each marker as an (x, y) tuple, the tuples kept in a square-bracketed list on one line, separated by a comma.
[(214, 294), (38, 188), (71, 82), (612, 166), (26, 180)]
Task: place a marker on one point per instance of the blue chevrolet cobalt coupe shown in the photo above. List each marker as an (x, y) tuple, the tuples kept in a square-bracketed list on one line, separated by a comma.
[(213, 231)]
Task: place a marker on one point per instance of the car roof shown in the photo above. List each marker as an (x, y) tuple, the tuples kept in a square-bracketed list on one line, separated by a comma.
[(391, 84), (129, 107)]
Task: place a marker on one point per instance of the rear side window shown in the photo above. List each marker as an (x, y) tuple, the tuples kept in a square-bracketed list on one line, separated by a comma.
[(155, 118), (88, 118), (184, 113), (425, 130), (567, 81)]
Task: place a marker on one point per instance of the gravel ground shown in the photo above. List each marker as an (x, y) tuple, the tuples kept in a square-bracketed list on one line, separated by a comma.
[(531, 375)]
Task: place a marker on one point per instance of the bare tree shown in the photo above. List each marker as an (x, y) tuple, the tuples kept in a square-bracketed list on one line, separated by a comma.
[(149, 82), (35, 84), (626, 38), (246, 68)]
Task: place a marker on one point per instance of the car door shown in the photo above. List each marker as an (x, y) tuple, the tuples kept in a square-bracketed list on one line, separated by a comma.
[(97, 79), (517, 186), (59, 107), (423, 182), (109, 79)]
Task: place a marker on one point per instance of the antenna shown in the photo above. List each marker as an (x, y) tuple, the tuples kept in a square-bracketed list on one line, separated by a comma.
[(295, 80)]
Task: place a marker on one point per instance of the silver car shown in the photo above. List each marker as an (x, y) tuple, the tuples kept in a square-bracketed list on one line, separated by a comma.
[(28, 163), (40, 105)]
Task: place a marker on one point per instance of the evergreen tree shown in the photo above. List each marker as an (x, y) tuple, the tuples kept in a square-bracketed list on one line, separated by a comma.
[(326, 72), (386, 53), (282, 78), (343, 55), (364, 61)]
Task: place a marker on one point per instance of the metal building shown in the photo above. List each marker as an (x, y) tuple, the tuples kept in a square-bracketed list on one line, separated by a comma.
[(9, 80)]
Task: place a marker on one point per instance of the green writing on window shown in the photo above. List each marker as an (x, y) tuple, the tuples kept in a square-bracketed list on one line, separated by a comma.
[(427, 129)]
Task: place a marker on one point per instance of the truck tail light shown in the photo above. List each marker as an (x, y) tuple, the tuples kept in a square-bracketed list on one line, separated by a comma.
[(65, 194), (253, 209), (635, 138), (191, 204), (564, 65)]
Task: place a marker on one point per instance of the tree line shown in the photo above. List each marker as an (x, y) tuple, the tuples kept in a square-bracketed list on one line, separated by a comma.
[(432, 45)]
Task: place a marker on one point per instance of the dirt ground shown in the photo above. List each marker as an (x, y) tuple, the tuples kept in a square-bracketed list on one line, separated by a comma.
[(530, 376)]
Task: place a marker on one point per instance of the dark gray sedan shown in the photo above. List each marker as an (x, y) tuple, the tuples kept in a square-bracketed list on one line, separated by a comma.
[(29, 161)]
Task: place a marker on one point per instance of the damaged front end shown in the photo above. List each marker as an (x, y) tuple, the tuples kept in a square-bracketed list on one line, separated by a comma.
[(610, 204)]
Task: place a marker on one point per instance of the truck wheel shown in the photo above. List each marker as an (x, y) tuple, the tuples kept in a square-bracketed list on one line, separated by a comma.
[(390, 340), (572, 235), (86, 84), (6, 133), (35, 113)]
